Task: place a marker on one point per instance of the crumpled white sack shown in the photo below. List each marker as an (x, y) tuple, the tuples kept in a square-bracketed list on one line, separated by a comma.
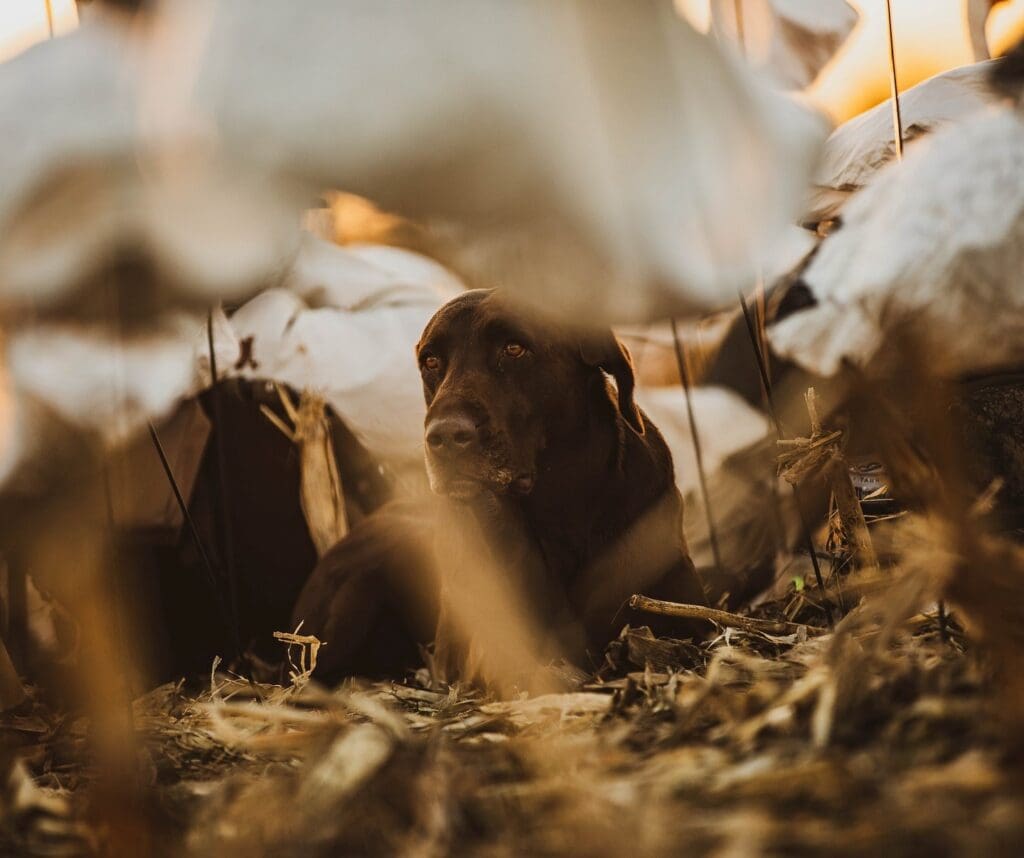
[(739, 458), (345, 324), (790, 40), (856, 150), (725, 422), (364, 276), (936, 242), (632, 168)]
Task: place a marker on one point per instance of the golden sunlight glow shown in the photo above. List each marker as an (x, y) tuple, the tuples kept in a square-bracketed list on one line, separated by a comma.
[(697, 12), (25, 22), (1005, 26), (931, 36)]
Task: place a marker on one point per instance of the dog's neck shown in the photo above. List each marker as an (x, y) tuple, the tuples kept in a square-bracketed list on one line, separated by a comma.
[(586, 491)]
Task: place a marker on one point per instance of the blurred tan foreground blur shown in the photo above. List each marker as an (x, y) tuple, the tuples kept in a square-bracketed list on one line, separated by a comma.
[(223, 227)]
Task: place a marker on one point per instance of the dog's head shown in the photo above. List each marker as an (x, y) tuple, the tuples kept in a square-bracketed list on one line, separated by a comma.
[(502, 386)]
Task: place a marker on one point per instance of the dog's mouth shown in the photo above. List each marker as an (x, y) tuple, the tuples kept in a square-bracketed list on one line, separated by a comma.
[(460, 486)]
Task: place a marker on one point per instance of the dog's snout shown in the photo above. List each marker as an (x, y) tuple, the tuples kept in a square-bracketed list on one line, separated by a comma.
[(451, 434)]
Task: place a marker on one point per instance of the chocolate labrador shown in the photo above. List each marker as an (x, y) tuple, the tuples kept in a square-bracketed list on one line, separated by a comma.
[(534, 445)]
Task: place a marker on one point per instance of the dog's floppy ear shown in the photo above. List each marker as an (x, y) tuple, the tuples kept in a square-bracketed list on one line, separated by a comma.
[(603, 350)]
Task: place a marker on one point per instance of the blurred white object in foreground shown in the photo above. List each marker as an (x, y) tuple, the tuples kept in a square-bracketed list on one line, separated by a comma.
[(345, 324), (860, 147), (620, 166), (790, 40), (122, 219), (92, 180), (107, 387), (936, 242)]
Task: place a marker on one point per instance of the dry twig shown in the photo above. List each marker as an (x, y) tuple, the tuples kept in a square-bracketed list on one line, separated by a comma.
[(713, 615)]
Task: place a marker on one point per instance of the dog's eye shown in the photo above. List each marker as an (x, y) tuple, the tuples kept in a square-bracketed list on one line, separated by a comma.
[(432, 363), (514, 350)]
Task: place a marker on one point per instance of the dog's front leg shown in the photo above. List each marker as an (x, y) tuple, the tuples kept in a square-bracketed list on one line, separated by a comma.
[(490, 629), (449, 665)]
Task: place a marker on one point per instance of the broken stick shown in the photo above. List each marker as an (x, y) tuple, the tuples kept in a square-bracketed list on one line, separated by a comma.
[(713, 615)]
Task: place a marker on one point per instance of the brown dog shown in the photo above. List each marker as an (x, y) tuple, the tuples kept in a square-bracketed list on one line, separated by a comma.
[(563, 483)]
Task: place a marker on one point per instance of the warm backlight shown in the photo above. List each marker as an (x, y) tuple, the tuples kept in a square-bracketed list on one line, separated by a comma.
[(931, 36), (25, 22)]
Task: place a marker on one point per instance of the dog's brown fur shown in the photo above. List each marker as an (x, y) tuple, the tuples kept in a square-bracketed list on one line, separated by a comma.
[(530, 445)]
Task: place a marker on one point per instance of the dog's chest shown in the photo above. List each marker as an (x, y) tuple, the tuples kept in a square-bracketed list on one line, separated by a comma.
[(567, 550)]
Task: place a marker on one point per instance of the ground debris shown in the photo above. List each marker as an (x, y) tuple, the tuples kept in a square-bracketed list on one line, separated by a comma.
[(877, 738)]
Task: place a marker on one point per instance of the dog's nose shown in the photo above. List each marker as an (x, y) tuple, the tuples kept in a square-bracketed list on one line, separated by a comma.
[(451, 434)]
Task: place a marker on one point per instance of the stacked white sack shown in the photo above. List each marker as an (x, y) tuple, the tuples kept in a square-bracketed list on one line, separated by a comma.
[(936, 242)]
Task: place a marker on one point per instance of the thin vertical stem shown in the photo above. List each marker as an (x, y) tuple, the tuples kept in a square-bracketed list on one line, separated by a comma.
[(766, 382), (186, 514), (761, 317), (684, 376), (897, 122), (943, 621)]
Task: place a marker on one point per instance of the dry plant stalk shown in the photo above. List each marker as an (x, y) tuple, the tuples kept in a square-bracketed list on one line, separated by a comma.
[(309, 645), (321, 497), (988, 588), (851, 517), (801, 457), (822, 453), (79, 567), (713, 615), (980, 573)]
